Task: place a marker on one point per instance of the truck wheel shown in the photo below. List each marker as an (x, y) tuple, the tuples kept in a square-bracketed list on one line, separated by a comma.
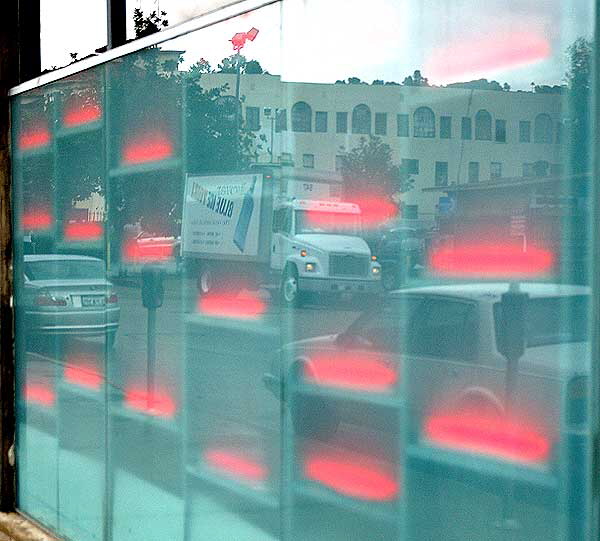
[(206, 280), (290, 293)]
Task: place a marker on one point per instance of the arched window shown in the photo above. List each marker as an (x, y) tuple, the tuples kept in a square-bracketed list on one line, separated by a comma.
[(361, 119), (542, 130), (301, 117), (424, 122), (483, 126)]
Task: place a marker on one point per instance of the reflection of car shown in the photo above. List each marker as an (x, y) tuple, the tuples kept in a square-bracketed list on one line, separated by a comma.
[(69, 294), (439, 344)]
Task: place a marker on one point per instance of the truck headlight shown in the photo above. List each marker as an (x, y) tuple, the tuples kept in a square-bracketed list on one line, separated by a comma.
[(375, 270), (310, 267)]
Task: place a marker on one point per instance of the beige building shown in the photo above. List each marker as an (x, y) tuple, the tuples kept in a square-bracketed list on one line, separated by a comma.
[(449, 135)]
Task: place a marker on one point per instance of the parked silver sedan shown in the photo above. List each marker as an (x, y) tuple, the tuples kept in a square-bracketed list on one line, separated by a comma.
[(69, 295)]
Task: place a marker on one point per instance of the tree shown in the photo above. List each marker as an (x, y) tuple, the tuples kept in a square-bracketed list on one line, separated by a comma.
[(369, 169), (377, 82), (578, 78), (415, 80), (150, 24), (253, 67), (229, 65), (480, 84)]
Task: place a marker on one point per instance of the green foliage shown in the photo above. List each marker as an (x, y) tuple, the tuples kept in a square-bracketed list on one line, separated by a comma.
[(369, 168), (415, 80), (480, 84)]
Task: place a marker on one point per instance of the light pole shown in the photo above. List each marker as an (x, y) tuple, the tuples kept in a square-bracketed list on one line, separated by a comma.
[(238, 41)]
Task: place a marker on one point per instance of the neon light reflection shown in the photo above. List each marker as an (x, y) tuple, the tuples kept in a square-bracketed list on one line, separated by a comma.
[(245, 305), (83, 231), (37, 393), (148, 148), (154, 403), (233, 463)]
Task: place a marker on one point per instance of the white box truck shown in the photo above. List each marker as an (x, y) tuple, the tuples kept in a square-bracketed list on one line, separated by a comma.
[(276, 227)]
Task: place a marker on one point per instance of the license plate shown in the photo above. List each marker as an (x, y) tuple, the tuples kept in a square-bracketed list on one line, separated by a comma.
[(95, 300)]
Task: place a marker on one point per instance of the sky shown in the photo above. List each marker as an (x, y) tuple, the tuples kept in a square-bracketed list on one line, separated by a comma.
[(517, 41)]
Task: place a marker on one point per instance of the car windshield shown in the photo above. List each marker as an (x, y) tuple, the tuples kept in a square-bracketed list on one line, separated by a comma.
[(333, 223), (65, 269), (553, 320)]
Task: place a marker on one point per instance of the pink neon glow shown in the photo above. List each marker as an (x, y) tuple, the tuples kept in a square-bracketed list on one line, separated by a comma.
[(234, 463), (36, 138), (136, 251), (84, 230), (495, 436), (36, 219), (84, 374), (154, 403), (482, 54), (351, 474), (39, 394), (490, 260), (245, 305), (79, 113), (147, 148), (350, 371), (374, 211)]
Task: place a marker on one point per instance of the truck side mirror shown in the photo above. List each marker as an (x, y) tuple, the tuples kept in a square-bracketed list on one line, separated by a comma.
[(152, 287), (512, 322)]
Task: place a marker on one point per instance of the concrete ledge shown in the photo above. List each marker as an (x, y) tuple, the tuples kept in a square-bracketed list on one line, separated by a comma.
[(15, 527)]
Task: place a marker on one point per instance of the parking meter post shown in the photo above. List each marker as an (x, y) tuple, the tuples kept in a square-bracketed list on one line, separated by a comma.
[(151, 352)]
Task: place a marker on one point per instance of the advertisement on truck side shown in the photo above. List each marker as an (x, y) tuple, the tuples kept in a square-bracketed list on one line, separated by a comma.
[(222, 214)]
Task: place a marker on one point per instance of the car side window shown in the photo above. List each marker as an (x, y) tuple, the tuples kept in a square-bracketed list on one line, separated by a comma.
[(447, 330)]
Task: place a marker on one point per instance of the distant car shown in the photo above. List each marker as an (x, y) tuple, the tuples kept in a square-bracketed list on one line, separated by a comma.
[(400, 251), (438, 348), (69, 295)]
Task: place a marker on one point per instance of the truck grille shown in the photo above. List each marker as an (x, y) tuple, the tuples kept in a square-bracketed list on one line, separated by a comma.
[(348, 265)]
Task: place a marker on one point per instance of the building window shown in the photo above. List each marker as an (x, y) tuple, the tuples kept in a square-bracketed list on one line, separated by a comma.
[(308, 160), (402, 125), (381, 123), (445, 127), (341, 122), (556, 169), (361, 119), (339, 162), (253, 118), (321, 121), (541, 168), (527, 169), (424, 122), (524, 131), (501, 131), (483, 126), (466, 127), (495, 170), (559, 132), (473, 172), (281, 120), (441, 173), (542, 129), (301, 117), (411, 166)]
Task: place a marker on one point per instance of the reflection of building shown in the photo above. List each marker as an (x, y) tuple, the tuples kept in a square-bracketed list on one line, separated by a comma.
[(446, 135)]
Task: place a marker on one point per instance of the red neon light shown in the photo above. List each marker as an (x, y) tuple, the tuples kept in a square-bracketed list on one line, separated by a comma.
[(350, 371), (154, 403), (39, 394), (84, 230), (235, 464), (499, 437), (494, 51), (149, 148), (137, 251), (492, 260), (79, 114), (85, 375), (374, 211), (351, 474), (36, 219), (34, 139), (246, 305)]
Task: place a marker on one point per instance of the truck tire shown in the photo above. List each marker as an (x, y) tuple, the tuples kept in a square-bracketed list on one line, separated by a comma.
[(291, 295), (206, 279), (391, 277)]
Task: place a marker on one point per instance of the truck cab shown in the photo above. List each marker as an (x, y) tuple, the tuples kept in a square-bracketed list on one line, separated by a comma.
[(316, 248)]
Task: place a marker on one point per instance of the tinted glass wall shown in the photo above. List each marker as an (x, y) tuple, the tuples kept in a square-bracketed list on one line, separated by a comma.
[(239, 320)]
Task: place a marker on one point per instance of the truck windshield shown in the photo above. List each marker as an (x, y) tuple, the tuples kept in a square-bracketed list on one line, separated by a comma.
[(333, 223)]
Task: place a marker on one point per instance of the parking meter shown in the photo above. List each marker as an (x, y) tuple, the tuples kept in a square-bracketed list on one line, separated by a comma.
[(511, 336), (152, 287)]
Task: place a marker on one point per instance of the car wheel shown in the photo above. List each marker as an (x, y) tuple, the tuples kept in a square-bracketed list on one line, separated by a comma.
[(290, 292)]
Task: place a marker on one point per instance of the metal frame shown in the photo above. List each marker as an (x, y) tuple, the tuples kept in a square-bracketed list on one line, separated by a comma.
[(203, 21)]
